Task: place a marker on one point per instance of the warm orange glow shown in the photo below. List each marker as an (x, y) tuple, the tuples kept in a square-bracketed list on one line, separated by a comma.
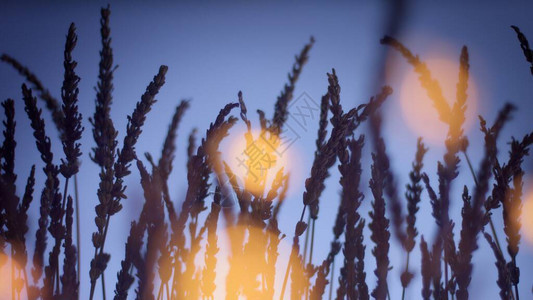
[(242, 271), (7, 265), (417, 108), (255, 158), (527, 213)]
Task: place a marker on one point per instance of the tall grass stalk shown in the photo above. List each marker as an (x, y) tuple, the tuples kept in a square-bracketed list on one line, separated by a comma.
[(160, 253)]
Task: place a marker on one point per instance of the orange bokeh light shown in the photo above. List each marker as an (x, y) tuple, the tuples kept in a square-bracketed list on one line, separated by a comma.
[(242, 263), (527, 212), (417, 108), (8, 266), (255, 160)]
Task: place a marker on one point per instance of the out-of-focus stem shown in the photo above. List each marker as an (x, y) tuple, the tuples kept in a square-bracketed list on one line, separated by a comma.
[(76, 195), (406, 269), (492, 228), (331, 278), (306, 238), (312, 242), (310, 250), (103, 285)]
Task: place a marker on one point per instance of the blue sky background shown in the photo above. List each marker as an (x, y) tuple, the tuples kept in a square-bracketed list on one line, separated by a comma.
[(213, 50)]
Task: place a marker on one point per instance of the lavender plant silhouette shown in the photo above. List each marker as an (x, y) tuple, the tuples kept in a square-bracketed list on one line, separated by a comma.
[(161, 255)]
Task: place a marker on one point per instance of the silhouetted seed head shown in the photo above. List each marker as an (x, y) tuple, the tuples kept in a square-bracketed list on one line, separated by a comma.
[(176, 261), (280, 109), (69, 278), (504, 279), (134, 243), (325, 156), (169, 147), (265, 209), (472, 212), (156, 230), (300, 228), (380, 230), (321, 282), (9, 145), (350, 169), (50, 192), (111, 194), (136, 121), (207, 156), (524, 44), (9, 203), (72, 118), (263, 122), (37, 124), (244, 118), (382, 162), (413, 194), (132, 254), (323, 123), (22, 216), (426, 270), (104, 132), (51, 103), (191, 146), (431, 85)]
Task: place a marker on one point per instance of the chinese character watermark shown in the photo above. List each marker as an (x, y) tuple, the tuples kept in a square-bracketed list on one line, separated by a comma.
[(262, 153), (302, 109)]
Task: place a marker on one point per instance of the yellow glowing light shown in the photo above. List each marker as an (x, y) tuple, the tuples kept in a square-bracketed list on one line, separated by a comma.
[(255, 158), (8, 266), (242, 268), (527, 215), (417, 108)]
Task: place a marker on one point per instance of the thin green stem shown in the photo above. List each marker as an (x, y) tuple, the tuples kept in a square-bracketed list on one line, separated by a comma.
[(78, 248), (492, 228), (103, 285), (516, 284), (406, 270), (312, 242), (64, 203), (471, 168), (306, 238), (310, 251), (331, 278), (286, 278)]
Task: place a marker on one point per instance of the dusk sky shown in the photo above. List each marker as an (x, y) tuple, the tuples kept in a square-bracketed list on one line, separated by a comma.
[(216, 49)]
